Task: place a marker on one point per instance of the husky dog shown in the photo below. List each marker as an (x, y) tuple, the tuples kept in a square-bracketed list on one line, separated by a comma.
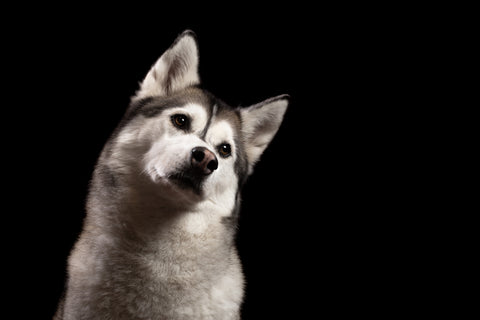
[(158, 238)]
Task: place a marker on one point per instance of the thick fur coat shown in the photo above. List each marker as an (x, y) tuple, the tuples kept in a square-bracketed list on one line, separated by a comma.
[(158, 238)]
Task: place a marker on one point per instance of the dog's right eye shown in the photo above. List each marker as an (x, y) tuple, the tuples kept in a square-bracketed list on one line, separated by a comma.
[(180, 121)]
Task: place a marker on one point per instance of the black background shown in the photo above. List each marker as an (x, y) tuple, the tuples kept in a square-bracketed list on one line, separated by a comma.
[(319, 221)]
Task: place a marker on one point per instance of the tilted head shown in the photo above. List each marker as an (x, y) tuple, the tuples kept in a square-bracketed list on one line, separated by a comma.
[(186, 141)]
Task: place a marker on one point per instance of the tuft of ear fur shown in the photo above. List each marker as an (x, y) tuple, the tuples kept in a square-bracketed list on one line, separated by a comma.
[(260, 123), (175, 70)]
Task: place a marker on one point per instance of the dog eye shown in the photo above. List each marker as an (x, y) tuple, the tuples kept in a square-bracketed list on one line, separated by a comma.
[(225, 150), (180, 121)]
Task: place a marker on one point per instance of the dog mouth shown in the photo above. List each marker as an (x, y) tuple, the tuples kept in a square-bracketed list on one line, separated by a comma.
[(187, 181), (186, 178)]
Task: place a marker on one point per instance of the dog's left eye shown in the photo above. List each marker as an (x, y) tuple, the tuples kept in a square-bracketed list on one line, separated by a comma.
[(180, 121), (225, 150)]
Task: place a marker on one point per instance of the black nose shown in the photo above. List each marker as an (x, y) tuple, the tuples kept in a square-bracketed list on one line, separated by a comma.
[(204, 160)]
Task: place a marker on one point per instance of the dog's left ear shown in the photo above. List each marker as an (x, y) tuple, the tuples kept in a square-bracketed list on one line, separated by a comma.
[(260, 123), (176, 69)]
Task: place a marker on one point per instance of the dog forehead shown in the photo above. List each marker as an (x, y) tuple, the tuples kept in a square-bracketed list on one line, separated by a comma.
[(228, 116), (214, 120), (203, 107), (224, 123), (153, 106), (222, 129)]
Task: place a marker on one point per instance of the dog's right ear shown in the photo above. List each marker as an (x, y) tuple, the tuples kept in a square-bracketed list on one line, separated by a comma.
[(176, 69)]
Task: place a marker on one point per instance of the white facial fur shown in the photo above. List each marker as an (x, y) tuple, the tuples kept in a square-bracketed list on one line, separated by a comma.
[(163, 149), (223, 185), (170, 147)]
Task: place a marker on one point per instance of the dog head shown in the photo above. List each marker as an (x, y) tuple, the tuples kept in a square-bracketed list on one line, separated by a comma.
[(187, 141)]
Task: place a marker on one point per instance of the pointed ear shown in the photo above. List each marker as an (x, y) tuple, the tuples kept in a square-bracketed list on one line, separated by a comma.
[(176, 69), (260, 123)]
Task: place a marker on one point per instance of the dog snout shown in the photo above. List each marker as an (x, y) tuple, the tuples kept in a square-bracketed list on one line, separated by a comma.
[(204, 160)]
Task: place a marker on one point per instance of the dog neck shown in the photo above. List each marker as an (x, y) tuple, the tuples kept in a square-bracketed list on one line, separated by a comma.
[(142, 212)]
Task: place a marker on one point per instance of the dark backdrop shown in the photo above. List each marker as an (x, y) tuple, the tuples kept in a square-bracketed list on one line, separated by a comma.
[(311, 237)]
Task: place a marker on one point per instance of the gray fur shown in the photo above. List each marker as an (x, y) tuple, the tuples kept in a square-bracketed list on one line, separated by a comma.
[(151, 248)]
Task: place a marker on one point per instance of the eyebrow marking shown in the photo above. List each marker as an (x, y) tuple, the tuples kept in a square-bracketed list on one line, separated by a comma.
[(209, 121)]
